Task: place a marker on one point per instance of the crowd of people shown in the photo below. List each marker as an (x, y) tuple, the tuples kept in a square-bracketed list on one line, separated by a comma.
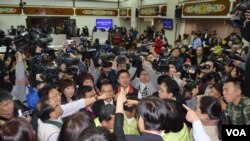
[(185, 91)]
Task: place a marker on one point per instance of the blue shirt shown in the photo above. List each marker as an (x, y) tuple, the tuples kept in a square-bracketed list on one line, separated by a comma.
[(197, 43)]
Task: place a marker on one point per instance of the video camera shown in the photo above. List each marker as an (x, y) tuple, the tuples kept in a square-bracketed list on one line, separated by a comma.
[(230, 57), (241, 8), (89, 53), (6, 41), (162, 65), (50, 76), (33, 36)]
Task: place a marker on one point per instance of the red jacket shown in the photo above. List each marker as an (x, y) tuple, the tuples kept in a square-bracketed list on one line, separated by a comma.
[(158, 45)]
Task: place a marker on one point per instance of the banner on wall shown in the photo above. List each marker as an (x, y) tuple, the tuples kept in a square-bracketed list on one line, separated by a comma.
[(212, 8), (48, 11), (96, 12), (153, 11), (123, 12), (10, 10)]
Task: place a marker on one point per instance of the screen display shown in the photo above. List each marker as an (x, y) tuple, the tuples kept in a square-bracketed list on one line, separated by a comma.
[(168, 23), (104, 23)]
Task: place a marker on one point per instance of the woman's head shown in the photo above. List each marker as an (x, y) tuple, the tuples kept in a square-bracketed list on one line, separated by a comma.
[(67, 87), (237, 72), (73, 126), (209, 108), (85, 79), (17, 129)]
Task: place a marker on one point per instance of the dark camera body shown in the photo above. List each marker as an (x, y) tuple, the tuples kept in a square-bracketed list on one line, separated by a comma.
[(241, 8), (33, 36), (162, 65)]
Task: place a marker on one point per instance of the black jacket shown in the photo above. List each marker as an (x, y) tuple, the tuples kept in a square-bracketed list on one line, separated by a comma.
[(97, 106)]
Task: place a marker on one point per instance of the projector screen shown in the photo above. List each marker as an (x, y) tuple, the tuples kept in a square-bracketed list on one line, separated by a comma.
[(168, 23), (104, 23)]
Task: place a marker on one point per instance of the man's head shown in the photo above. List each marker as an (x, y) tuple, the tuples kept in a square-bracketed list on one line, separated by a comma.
[(6, 105), (106, 86), (144, 76), (232, 90), (85, 92), (106, 66), (199, 51), (123, 78), (168, 87), (152, 114), (121, 63), (107, 116), (49, 107)]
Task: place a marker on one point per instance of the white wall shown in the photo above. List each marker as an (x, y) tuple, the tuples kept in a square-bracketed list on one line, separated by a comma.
[(7, 20), (125, 22), (170, 34), (125, 4), (151, 2)]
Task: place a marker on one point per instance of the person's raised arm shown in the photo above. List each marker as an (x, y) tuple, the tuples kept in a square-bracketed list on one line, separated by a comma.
[(119, 118), (199, 134), (19, 90)]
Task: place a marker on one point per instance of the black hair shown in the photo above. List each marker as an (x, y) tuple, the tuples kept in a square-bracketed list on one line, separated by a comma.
[(122, 71), (153, 111), (211, 106), (175, 116), (162, 78), (97, 134), (81, 91), (74, 125), (5, 95), (213, 76), (237, 82), (44, 109), (106, 112), (104, 82), (171, 85), (17, 129)]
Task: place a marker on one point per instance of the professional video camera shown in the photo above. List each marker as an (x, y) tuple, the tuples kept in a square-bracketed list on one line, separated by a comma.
[(142, 49), (33, 36), (229, 57), (162, 65), (71, 70), (89, 53), (4, 41), (84, 42), (240, 9), (50, 76)]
